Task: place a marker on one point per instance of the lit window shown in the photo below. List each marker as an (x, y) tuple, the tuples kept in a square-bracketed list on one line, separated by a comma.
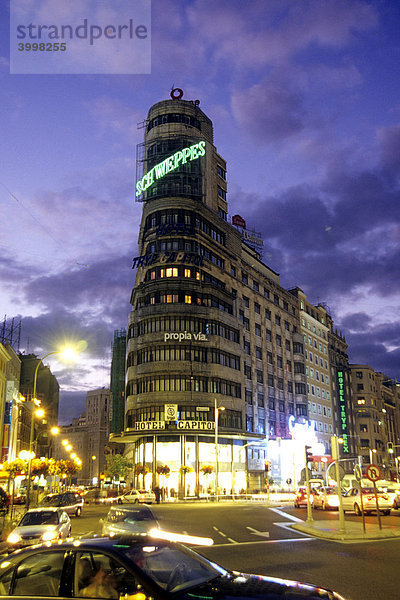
[(172, 272), (188, 299), (187, 272), (198, 275)]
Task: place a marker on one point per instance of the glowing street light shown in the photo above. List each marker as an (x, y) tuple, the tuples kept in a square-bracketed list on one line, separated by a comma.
[(66, 354)]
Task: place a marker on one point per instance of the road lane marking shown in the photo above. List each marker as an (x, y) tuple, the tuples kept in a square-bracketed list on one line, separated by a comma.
[(303, 539), (225, 536), (281, 513), (256, 532)]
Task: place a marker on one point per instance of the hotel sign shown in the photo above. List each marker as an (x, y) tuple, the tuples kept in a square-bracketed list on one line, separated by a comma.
[(186, 425), (343, 418), (208, 425), (170, 164), (146, 425)]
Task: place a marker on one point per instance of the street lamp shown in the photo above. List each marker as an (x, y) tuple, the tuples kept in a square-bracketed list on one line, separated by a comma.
[(217, 410), (372, 451), (67, 354)]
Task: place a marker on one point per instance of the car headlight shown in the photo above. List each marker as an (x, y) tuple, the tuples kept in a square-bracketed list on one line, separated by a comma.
[(13, 538), (49, 535)]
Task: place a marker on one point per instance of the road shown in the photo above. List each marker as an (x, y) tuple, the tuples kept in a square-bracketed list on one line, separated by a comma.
[(258, 539)]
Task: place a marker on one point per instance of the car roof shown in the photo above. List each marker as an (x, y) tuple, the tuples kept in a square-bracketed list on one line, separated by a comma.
[(44, 509)]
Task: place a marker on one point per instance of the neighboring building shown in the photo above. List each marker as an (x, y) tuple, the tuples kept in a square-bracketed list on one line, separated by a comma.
[(4, 360), (117, 383), (314, 328), (11, 433), (47, 392), (376, 399), (88, 436)]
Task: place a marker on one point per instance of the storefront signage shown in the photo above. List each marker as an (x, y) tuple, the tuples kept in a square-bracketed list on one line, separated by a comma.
[(145, 425), (343, 412), (187, 258), (209, 425), (186, 335), (170, 164)]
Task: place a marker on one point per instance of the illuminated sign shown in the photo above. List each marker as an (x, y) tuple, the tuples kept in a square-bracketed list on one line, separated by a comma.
[(247, 237), (179, 337), (343, 412), (209, 425), (170, 164), (303, 433), (187, 258), (145, 425)]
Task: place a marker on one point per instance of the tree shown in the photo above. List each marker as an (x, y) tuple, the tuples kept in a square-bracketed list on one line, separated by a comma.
[(15, 467), (39, 467), (117, 466)]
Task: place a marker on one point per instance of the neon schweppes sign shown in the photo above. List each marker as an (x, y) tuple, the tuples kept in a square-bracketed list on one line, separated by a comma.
[(170, 164)]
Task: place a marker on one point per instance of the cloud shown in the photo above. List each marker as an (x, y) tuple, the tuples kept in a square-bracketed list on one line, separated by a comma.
[(71, 405), (269, 111)]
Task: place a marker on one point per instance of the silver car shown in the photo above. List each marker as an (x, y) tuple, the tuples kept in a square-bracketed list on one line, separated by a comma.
[(352, 501), (40, 525), (128, 519)]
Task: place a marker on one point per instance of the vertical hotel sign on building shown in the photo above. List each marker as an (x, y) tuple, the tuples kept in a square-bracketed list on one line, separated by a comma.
[(343, 416)]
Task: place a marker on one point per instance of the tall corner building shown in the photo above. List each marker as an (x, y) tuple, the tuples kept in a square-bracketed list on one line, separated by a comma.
[(214, 355)]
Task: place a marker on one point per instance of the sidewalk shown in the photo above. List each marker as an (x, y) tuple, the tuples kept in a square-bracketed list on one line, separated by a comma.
[(330, 530)]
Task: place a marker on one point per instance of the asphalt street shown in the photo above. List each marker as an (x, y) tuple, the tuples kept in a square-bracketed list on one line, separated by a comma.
[(258, 539)]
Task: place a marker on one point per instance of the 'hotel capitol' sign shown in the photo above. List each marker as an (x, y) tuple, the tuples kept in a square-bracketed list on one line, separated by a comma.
[(186, 425)]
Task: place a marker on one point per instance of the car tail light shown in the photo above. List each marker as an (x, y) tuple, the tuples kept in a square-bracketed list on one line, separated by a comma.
[(385, 497), (370, 497)]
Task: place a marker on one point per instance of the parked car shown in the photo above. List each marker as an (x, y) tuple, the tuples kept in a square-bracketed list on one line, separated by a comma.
[(20, 498), (301, 497), (352, 501), (128, 519), (129, 567), (40, 525), (326, 498), (393, 491), (136, 497), (70, 501)]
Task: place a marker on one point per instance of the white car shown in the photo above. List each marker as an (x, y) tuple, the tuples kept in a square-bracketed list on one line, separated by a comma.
[(352, 501), (326, 498), (136, 497), (40, 525)]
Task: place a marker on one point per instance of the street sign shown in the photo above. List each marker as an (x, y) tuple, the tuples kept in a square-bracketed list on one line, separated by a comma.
[(171, 412), (357, 472), (373, 472), (201, 408)]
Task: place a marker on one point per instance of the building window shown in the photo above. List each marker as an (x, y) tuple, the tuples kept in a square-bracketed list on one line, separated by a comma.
[(246, 301), (233, 271), (256, 287), (246, 346), (266, 293), (257, 328), (277, 320), (248, 396), (260, 399), (260, 378), (245, 279), (268, 335), (278, 340), (247, 371), (259, 352), (257, 308)]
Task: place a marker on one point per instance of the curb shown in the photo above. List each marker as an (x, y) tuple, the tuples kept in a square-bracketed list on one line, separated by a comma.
[(346, 536)]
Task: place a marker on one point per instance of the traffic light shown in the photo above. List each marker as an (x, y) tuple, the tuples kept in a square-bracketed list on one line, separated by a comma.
[(390, 447), (266, 466), (308, 450)]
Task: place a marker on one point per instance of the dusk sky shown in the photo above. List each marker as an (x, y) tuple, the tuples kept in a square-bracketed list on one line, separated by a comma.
[(305, 100)]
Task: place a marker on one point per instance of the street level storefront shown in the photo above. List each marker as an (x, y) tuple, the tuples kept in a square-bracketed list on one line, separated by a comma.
[(183, 461)]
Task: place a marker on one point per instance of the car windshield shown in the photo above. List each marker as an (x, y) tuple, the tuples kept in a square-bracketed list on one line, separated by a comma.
[(138, 515), (43, 517), (329, 492), (173, 568), (53, 501), (368, 490)]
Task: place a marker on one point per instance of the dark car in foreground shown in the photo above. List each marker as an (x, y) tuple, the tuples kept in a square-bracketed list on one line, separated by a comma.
[(71, 502), (136, 568)]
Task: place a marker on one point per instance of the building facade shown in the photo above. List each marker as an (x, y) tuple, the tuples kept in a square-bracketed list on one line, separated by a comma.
[(376, 400), (216, 363), (117, 382)]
